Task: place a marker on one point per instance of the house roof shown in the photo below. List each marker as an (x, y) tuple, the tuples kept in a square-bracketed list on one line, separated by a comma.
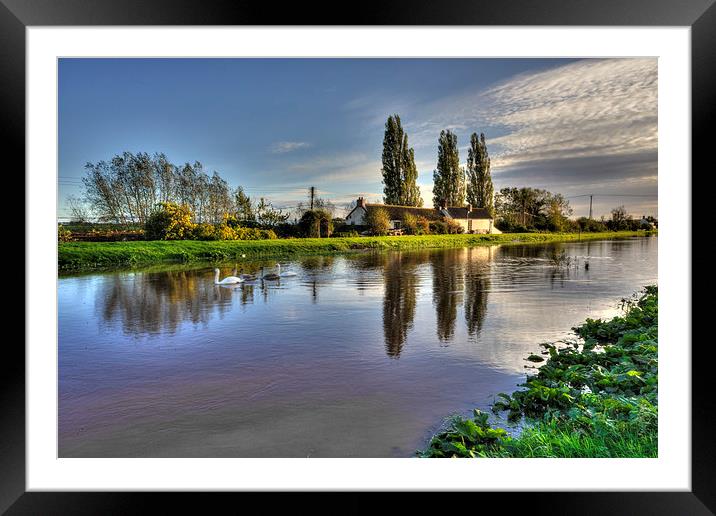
[(397, 212), (475, 213)]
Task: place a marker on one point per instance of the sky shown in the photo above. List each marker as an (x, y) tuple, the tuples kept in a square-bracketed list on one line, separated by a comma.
[(279, 126)]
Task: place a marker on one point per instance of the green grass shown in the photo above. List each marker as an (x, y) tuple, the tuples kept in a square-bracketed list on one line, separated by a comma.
[(75, 256), (594, 399)]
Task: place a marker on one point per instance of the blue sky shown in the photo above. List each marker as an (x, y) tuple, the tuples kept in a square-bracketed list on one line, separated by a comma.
[(278, 126)]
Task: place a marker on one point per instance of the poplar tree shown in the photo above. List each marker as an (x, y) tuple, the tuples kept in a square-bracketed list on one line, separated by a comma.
[(448, 177), (479, 182), (399, 171)]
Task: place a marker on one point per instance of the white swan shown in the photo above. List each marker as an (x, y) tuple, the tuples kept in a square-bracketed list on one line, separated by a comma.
[(286, 274), (229, 280)]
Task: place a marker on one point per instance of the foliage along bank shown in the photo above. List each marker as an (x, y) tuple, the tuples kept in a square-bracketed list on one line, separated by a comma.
[(595, 399), (94, 255)]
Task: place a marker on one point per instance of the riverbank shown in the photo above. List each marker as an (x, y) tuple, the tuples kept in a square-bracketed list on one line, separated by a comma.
[(76, 256), (596, 399)]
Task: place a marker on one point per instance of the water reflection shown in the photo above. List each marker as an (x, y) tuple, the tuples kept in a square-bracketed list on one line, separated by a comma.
[(150, 303), (448, 287), (401, 286), (357, 355), (153, 303), (314, 267), (477, 285)]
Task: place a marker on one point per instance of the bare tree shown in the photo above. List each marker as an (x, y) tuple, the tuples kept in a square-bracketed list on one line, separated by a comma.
[(78, 210)]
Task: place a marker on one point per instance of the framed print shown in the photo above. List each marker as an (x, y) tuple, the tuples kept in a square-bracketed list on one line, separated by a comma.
[(284, 251)]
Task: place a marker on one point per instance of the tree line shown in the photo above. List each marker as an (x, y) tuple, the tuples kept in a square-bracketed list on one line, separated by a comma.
[(129, 187)]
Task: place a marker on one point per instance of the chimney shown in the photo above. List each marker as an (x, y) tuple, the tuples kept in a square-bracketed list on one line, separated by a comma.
[(361, 202)]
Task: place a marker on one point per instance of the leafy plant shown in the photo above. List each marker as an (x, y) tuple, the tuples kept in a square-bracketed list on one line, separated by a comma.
[(594, 400)]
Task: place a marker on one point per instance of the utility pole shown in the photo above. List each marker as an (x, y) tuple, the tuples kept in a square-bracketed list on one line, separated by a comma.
[(590, 206), (313, 194)]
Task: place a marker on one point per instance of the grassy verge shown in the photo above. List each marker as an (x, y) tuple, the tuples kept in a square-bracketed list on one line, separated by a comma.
[(597, 399), (93, 255)]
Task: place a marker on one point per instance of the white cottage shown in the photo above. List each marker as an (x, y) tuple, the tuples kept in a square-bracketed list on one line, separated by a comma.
[(472, 220)]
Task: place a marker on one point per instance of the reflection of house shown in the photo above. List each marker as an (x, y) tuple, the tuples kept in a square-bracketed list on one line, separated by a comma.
[(472, 220)]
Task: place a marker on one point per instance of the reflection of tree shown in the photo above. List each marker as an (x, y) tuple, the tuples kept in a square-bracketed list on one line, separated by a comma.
[(314, 266), (447, 289), (401, 283), (146, 303), (477, 284)]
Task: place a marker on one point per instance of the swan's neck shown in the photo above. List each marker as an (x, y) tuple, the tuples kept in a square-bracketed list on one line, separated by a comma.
[(216, 277)]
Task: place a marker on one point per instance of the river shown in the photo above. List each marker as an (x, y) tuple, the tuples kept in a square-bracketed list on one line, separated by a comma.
[(360, 355)]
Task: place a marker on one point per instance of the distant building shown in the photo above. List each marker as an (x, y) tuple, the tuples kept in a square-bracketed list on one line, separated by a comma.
[(472, 220), (645, 223)]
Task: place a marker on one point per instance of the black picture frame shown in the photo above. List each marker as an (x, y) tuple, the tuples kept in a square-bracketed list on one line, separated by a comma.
[(699, 15)]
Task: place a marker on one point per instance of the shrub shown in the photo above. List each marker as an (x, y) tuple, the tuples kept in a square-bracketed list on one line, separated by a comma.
[(506, 227), (445, 227), (316, 223), (422, 225), (63, 234), (591, 225), (410, 223), (416, 224), (346, 234), (254, 234), (169, 222), (454, 227), (203, 231), (439, 227), (378, 221), (225, 232)]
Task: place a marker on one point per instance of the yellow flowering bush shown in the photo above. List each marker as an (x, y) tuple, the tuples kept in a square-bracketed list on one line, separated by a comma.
[(63, 234), (170, 222)]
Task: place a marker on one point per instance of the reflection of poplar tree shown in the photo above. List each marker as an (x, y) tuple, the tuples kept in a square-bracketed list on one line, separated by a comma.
[(447, 286), (399, 302), (477, 284)]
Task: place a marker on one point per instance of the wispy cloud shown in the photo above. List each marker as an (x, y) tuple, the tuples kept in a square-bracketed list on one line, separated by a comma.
[(583, 109), (284, 147)]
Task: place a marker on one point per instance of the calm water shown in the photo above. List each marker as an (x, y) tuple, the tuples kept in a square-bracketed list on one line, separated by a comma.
[(358, 356)]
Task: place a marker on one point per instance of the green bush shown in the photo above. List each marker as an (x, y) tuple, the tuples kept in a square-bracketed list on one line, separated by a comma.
[(597, 398), (254, 234), (350, 233), (316, 223), (416, 224), (378, 220), (591, 225), (445, 227)]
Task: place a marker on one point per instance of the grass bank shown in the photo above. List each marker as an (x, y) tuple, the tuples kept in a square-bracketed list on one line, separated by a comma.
[(95, 255), (595, 399)]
